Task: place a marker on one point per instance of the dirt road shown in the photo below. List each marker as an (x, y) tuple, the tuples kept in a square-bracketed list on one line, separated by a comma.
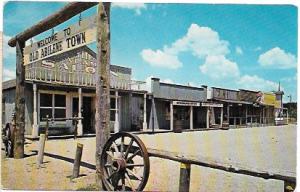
[(267, 148)]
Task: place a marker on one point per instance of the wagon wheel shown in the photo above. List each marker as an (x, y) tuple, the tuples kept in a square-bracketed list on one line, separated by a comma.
[(124, 163)]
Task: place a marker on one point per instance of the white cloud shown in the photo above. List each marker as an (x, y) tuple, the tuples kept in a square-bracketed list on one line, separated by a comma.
[(277, 58), (256, 83), (137, 7), (159, 58), (201, 41), (7, 50), (8, 74), (219, 67), (238, 50)]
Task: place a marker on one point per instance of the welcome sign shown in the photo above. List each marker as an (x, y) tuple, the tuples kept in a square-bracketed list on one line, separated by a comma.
[(72, 37)]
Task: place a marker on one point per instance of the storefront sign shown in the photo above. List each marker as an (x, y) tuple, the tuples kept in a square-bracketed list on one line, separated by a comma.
[(72, 37), (211, 104), (186, 103), (266, 99)]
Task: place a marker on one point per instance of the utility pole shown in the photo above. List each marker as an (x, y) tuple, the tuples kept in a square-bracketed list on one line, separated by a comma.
[(102, 83), (19, 102)]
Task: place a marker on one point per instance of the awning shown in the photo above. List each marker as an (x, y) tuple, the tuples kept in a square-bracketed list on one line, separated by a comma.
[(235, 101)]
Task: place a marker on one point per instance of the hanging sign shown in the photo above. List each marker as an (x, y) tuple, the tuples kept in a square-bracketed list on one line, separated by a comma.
[(211, 104), (72, 37), (186, 103)]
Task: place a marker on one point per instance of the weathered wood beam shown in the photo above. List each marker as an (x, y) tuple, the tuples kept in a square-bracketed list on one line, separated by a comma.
[(19, 103), (102, 117), (65, 13), (217, 165)]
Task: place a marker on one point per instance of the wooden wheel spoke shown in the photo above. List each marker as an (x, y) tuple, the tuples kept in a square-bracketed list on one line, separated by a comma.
[(110, 166), (112, 175), (135, 165), (134, 174), (128, 147), (109, 154), (122, 145), (115, 146), (129, 181), (133, 155), (116, 182)]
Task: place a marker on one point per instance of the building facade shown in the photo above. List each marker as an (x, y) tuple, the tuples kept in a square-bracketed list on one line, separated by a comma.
[(63, 86)]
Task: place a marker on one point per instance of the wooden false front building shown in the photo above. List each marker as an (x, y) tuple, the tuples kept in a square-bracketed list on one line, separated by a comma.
[(63, 86)]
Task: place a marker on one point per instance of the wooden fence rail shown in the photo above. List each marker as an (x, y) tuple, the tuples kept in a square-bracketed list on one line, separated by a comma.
[(187, 160)]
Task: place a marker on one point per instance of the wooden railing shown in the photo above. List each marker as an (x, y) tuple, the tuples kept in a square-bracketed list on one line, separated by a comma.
[(46, 75)]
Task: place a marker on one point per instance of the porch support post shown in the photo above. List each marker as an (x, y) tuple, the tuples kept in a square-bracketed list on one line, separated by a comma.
[(228, 116), (171, 117), (246, 115), (35, 126), (191, 118), (80, 128), (117, 123), (221, 117), (207, 117), (145, 113)]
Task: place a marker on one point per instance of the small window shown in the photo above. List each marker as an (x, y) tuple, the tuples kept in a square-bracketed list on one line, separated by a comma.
[(112, 103), (60, 101), (45, 100)]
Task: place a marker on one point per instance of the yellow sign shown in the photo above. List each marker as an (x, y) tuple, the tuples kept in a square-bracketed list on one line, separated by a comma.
[(70, 38), (269, 99)]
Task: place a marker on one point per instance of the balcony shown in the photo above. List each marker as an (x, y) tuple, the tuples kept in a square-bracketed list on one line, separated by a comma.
[(60, 77)]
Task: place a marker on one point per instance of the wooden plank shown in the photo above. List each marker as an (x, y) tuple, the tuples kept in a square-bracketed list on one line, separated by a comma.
[(218, 165), (19, 102), (62, 15)]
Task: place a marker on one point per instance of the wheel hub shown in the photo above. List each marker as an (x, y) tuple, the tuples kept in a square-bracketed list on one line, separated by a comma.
[(120, 164)]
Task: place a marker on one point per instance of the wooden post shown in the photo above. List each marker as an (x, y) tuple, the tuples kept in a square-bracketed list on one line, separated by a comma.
[(75, 128), (102, 83), (184, 179), (35, 126), (19, 102), (47, 127), (145, 126), (221, 117), (77, 160), (171, 117), (191, 117), (207, 117), (40, 156)]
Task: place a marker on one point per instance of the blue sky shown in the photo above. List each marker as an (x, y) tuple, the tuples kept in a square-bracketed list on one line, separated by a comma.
[(232, 46)]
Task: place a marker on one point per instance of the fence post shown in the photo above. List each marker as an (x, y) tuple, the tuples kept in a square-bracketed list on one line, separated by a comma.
[(41, 149), (47, 127), (184, 179), (77, 160)]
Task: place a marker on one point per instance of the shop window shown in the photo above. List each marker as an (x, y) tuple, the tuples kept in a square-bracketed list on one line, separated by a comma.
[(60, 101), (53, 105), (45, 100)]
